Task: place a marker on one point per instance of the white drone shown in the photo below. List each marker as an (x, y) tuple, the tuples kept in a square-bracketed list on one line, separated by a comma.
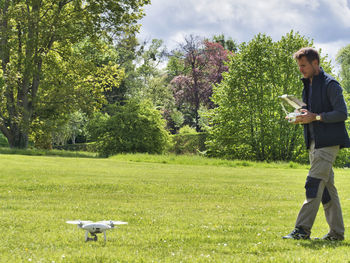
[(95, 227)]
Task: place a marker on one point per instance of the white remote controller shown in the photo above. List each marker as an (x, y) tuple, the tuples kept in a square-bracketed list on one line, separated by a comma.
[(292, 116)]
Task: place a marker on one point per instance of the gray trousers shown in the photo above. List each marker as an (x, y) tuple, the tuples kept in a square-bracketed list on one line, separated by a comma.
[(320, 187)]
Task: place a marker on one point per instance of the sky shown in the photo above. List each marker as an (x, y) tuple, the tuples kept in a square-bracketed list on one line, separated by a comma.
[(327, 22)]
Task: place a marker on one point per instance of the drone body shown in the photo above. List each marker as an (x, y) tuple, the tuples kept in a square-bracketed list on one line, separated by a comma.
[(95, 227)]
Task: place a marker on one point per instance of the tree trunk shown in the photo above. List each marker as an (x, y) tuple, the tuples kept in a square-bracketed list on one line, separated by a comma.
[(18, 140), (21, 93)]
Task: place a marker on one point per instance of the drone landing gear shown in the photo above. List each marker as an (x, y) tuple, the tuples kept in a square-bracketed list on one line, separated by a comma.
[(87, 238)]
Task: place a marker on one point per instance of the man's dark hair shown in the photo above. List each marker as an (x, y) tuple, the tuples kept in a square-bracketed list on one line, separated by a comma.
[(310, 53)]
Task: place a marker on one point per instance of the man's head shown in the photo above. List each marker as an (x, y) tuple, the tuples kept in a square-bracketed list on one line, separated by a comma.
[(308, 61)]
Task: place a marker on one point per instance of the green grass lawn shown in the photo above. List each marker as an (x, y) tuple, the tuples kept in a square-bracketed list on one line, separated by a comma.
[(177, 212)]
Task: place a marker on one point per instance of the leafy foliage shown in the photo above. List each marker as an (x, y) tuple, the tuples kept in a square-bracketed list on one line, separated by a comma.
[(35, 35), (76, 83), (189, 142), (249, 122), (201, 67), (133, 127), (228, 44), (71, 130), (3, 141), (343, 58)]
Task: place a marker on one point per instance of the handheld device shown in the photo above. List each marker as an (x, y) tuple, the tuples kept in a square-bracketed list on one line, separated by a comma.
[(295, 103)]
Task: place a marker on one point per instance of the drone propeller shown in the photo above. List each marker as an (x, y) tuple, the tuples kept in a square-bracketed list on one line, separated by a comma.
[(78, 222), (113, 223)]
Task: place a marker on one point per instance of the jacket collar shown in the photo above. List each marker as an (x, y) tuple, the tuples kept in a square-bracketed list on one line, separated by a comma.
[(306, 81)]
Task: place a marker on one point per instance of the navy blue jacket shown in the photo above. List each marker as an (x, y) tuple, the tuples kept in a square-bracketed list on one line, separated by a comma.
[(326, 99)]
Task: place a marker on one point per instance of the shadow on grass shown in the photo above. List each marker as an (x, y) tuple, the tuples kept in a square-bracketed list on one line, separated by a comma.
[(321, 244)]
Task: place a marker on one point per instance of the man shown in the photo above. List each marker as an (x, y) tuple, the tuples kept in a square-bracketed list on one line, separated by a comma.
[(324, 134)]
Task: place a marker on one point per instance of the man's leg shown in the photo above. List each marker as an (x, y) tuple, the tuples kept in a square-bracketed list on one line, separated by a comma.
[(316, 180), (321, 161), (332, 209), (307, 214)]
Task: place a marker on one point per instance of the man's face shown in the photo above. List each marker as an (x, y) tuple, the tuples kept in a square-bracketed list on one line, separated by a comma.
[(306, 68)]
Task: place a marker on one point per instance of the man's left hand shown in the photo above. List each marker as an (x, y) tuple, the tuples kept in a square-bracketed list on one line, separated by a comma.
[(305, 117)]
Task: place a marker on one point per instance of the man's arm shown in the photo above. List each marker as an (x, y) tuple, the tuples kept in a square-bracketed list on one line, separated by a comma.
[(336, 98), (339, 112)]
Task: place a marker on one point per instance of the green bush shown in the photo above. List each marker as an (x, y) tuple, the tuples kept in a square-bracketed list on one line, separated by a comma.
[(78, 147), (189, 143), (343, 158), (3, 141), (187, 130), (130, 128)]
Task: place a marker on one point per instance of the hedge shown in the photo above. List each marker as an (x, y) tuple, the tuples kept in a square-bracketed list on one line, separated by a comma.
[(78, 147)]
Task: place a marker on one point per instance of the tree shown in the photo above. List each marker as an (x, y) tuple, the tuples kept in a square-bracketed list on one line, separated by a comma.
[(249, 122), (203, 64), (343, 58), (77, 122), (102, 59), (129, 128), (141, 63), (72, 129), (34, 32), (149, 78), (127, 49), (158, 91), (145, 78), (228, 44), (78, 82), (149, 60), (176, 65)]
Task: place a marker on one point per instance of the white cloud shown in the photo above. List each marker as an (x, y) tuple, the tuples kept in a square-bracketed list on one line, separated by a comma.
[(342, 9), (331, 49), (325, 21), (214, 11)]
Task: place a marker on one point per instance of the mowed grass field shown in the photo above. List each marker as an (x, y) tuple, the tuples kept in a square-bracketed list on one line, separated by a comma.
[(201, 211)]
